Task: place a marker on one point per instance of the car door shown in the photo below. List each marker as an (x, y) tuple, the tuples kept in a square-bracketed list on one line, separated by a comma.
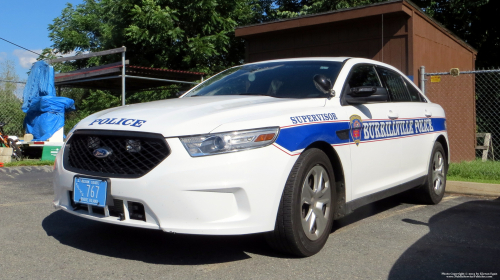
[(416, 112), (375, 155)]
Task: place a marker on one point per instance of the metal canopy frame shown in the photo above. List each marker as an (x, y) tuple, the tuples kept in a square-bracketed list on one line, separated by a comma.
[(107, 70)]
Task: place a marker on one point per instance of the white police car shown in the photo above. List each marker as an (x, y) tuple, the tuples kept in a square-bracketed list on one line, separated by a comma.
[(283, 147)]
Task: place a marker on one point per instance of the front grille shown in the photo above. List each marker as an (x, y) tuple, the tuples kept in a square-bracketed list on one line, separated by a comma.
[(136, 210), (128, 154)]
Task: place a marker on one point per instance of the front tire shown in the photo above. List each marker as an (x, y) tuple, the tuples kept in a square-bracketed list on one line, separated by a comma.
[(432, 191), (305, 214)]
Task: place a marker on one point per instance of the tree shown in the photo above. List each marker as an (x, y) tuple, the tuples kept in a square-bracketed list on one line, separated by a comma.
[(182, 35), (10, 103), (186, 35), (294, 8)]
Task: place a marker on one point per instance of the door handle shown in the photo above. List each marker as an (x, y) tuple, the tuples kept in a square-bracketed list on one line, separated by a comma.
[(427, 113), (392, 115)]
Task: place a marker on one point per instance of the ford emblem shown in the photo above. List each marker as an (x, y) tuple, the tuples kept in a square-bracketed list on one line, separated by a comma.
[(102, 152)]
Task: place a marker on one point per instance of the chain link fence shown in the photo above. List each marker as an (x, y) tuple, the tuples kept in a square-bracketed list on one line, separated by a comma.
[(471, 100), (10, 107)]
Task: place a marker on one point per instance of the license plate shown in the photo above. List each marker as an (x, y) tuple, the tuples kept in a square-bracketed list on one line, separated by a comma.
[(90, 191)]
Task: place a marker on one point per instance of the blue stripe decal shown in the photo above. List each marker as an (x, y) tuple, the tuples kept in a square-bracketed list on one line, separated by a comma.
[(299, 137), (375, 130)]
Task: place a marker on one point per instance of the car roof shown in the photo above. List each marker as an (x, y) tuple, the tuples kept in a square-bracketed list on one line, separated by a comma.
[(333, 59), (355, 60)]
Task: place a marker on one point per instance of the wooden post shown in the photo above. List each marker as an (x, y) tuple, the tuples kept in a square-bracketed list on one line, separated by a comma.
[(123, 76), (486, 145)]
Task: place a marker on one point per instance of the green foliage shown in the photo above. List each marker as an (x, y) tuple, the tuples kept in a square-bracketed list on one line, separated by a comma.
[(294, 8), (29, 162), (475, 171), (10, 104), (183, 35), (156, 94), (186, 35), (94, 101)]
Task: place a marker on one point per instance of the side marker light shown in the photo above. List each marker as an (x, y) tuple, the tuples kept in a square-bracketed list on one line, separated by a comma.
[(264, 137)]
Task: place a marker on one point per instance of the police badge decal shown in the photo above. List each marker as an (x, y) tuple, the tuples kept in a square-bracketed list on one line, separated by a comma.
[(356, 124)]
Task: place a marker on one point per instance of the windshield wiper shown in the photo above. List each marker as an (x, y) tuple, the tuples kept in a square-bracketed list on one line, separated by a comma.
[(254, 93), (245, 93)]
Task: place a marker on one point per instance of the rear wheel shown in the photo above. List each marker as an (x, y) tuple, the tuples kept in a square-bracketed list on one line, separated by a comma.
[(433, 190), (305, 214)]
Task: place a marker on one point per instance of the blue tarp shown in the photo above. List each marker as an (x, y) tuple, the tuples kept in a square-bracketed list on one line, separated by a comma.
[(40, 83), (44, 110)]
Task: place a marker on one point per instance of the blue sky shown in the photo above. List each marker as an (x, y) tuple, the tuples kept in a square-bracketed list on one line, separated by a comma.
[(25, 23)]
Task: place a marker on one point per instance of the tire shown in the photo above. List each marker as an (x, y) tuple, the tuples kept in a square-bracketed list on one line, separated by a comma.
[(16, 153), (432, 191), (305, 214)]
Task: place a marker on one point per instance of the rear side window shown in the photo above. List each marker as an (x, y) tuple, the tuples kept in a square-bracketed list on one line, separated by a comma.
[(414, 94), (396, 86), (364, 75)]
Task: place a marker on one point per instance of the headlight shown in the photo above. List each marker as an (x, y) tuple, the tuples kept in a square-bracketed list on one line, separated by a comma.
[(227, 142)]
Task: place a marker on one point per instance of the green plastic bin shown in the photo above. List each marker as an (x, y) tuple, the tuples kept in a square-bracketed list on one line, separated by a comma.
[(50, 152)]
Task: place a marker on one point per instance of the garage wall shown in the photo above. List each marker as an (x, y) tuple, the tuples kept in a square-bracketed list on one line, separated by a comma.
[(437, 50), (355, 38)]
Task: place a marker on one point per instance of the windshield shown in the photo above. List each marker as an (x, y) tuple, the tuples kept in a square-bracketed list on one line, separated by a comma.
[(292, 79)]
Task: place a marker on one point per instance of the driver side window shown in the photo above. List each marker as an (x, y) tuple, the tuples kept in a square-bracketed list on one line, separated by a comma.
[(364, 75)]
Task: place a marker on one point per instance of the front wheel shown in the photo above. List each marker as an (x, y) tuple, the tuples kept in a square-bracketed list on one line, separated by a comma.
[(305, 214)]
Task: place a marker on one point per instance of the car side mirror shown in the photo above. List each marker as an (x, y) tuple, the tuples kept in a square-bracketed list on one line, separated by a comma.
[(360, 95), (323, 84)]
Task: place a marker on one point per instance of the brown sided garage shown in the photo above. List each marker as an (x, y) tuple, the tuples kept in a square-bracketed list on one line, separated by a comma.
[(394, 32)]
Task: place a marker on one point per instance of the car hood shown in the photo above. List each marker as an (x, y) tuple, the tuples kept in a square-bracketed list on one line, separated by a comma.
[(197, 115)]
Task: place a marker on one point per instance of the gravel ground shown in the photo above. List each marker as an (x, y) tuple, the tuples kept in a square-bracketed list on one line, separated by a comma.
[(389, 239)]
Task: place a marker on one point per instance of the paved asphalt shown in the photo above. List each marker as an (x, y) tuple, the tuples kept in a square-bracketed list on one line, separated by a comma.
[(390, 239)]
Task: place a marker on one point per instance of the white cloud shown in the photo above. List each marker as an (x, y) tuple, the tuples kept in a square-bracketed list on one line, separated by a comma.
[(3, 56), (26, 58)]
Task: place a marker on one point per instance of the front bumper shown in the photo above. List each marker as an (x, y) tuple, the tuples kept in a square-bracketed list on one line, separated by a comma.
[(234, 193)]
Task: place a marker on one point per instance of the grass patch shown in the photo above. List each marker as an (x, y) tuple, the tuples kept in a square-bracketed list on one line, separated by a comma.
[(475, 171), (29, 162)]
